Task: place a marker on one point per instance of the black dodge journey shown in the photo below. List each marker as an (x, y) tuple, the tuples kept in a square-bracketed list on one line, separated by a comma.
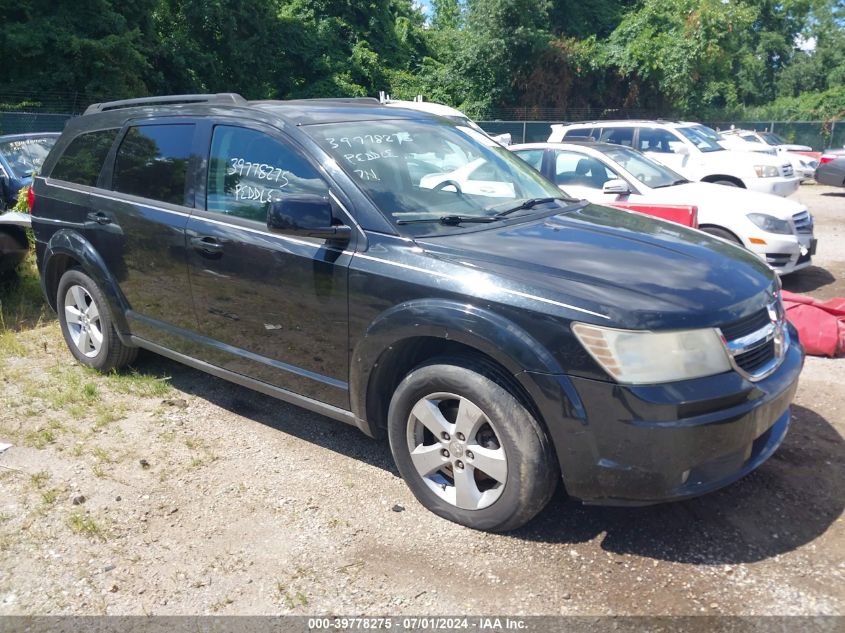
[(407, 275)]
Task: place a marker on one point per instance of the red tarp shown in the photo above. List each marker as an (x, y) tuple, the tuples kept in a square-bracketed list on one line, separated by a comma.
[(679, 213), (820, 325)]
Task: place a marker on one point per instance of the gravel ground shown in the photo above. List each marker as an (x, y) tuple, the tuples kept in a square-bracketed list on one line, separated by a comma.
[(139, 495)]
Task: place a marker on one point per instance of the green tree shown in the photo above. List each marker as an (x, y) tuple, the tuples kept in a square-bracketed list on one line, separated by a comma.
[(499, 46), (82, 46)]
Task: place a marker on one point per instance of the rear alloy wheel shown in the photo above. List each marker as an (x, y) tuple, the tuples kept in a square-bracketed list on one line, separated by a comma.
[(87, 324), (467, 448)]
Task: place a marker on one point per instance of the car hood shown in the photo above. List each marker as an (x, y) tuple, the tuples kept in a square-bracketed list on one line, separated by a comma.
[(635, 271), (714, 201)]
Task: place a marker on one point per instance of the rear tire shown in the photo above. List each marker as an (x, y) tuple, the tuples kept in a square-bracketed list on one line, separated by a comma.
[(467, 448), (87, 324), (726, 183)]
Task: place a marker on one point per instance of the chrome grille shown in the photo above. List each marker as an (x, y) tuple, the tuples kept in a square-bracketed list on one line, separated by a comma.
[(756, 344), (756, 357), (746, 325), (787, 169), (803, 222)]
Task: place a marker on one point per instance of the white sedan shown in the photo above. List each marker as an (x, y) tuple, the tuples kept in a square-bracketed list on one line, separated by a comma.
[(780, 231)]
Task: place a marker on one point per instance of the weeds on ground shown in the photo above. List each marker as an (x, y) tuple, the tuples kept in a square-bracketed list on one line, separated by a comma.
[(80, 523)]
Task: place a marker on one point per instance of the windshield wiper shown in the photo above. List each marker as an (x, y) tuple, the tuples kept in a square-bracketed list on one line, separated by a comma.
[(681, 181), (528, 204), (453, 220)]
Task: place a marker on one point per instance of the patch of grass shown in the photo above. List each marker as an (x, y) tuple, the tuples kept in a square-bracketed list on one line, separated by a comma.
[(80, 523), (106, 414), (22, 304), (98, 471), (9, 343), (40, 438), (78, 450), (137, 384), (48, 497), (291, 599), (89, 392), (40, 478), (102, 455), (220, 604)]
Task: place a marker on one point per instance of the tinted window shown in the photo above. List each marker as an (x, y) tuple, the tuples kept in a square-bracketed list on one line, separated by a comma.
[(584, 132), (618, 135), (576, 169), (249, 169), (533, 157), (657, 140), (152, 162), (84, 157)]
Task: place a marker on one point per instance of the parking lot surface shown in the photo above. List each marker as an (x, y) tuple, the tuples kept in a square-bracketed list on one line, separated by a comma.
[(172, 492)]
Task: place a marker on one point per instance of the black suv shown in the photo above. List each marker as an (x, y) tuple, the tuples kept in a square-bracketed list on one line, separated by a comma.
[(409, 276)]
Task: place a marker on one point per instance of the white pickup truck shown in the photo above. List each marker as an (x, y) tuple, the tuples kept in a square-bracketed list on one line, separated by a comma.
[(693, 155)]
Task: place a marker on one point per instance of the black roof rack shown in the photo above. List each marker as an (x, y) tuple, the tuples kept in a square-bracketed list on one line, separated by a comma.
[(229, 98)]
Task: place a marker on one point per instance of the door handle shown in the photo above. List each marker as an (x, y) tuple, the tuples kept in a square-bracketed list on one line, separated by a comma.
[(206, 244), (99, 217)]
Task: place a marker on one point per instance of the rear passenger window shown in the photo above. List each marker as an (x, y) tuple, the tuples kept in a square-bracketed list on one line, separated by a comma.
[(618, 135), (588, 132), (249, 169), (152, 162), (84, 157)]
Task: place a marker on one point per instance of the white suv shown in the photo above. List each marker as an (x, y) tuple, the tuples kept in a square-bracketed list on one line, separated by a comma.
[(683, 148)]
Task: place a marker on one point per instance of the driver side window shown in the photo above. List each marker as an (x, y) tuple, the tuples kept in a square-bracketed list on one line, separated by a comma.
[(660, 141), (579, 170), (248, 169)]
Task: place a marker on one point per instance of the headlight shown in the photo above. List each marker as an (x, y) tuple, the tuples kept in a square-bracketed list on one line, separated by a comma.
[(766, 171), (641, 357), (770, 224)]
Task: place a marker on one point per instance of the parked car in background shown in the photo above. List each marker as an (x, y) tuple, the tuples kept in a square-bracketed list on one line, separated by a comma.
[(804, 164), (831, 169), (769, 139), (20, 156), (501, 342), (447, 112), (778, 230), (689, 152)]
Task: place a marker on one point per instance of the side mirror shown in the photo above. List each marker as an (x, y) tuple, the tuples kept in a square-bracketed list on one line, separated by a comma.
[(305, 215), (616, 186), (677, 147)]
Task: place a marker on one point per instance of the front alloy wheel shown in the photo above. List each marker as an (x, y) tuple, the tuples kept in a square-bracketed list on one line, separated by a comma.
[(468, 448), (456, 451)]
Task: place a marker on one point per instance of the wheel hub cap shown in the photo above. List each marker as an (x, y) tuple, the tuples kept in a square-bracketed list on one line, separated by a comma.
[(456, 451)]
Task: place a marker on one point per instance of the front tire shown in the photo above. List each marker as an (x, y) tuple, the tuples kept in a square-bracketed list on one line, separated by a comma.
[(467, 448), (87, 324), (725, 235)]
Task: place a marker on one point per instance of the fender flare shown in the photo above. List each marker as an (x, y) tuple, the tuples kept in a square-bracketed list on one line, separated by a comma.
[(72, 244), (489, 333)]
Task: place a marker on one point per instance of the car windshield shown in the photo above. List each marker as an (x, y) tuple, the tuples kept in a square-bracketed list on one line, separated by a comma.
[(773, 139), (648, 172), (701, 141), (26, 155), (418, 171), (706, 132)]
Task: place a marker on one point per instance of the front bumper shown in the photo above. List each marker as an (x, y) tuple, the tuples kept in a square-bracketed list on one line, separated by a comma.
[(784, 253), (626, 445), (779, 186)]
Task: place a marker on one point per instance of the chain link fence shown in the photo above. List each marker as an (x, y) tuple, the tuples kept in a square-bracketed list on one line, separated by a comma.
[(818, 135), (22, 112)]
